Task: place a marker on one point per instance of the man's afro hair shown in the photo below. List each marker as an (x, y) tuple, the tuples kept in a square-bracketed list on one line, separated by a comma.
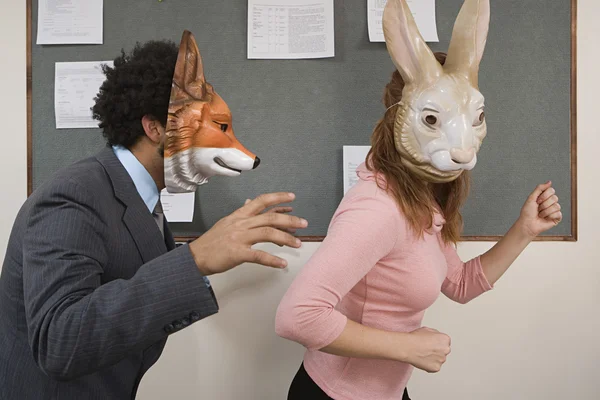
[(139, 84)]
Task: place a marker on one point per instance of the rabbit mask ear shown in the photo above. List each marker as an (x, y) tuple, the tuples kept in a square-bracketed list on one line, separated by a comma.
[(468, 40), (409, 52)]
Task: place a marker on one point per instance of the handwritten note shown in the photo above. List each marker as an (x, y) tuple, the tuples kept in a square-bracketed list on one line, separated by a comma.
[(70, 22), (178, 207), (75, 86), (280, 30), (423, 12), (353, 157)]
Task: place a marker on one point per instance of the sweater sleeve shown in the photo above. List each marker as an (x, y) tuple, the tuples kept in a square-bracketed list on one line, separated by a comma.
[(465, 280), (362, 232)]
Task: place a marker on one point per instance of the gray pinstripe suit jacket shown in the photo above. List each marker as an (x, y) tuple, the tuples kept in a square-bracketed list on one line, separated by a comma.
[(89, 290)]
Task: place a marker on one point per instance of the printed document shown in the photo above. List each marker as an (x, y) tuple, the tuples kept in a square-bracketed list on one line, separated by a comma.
[(178, 207), (76, 84), (70, 22), (423, 12), (293, 29), (353, 157)]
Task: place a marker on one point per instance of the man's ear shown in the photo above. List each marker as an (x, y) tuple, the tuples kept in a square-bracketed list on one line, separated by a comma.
[(153, 129)]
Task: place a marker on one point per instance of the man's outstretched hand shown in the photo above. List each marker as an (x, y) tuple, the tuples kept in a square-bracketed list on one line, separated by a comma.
[(229, 242)]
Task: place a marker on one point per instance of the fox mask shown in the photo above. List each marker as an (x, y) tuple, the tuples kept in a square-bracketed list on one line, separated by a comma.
[(199, 142), (440, 123)]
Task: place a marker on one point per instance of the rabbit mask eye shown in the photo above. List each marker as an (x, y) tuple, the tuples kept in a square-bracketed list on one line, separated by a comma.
[(431, 118), (480, 119)]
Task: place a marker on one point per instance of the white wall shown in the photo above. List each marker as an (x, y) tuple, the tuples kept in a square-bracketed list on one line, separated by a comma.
[(533, 337), (13, 114)]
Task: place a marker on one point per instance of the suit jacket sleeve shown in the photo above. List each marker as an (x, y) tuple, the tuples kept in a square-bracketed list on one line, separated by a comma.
[(76, 325)]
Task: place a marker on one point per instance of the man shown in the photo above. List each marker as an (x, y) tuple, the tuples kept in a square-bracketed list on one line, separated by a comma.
[(92, 283)]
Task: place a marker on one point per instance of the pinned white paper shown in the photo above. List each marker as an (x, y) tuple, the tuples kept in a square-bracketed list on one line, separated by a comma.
[(423, 12), (76, 84), (178, 207), (353, 157), (280, 29), (70, 22)]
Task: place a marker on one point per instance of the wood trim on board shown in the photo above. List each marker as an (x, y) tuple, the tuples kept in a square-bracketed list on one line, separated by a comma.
[(312, 239), (29, 101), (574, 205)]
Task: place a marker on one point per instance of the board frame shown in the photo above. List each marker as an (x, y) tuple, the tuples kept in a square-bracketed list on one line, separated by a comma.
[(572, 237)]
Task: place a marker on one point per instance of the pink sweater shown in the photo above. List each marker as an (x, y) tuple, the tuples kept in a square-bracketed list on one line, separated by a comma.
[(372, 269)]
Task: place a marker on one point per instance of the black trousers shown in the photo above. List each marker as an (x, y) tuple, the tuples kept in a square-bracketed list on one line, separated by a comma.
[(304, 388)]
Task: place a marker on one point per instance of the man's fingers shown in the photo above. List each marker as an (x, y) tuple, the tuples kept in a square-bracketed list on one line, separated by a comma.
[(264, 258), (281, 210), (271, 235), (263, 202), (275, 220)]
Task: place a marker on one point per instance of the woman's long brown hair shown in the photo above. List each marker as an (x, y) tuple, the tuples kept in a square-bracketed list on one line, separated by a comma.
[(417, 199)]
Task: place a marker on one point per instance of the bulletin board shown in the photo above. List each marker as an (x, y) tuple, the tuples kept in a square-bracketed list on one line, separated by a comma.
[(297, 114)]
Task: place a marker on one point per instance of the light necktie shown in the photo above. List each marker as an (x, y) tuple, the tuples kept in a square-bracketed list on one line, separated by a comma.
[(159, 217)]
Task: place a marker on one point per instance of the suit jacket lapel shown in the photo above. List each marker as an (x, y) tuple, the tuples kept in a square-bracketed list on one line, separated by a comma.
[(137, 218)]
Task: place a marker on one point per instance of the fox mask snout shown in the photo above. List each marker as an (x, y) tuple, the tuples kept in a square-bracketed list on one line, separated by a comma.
[(200, 142)]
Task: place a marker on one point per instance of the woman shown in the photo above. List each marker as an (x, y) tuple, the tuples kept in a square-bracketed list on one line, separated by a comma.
[(358, 304)]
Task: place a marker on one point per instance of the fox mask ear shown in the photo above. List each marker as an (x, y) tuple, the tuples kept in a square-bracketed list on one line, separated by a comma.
[(188, 79)]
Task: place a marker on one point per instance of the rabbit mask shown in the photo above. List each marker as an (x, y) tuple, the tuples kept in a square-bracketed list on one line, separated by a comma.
[(440, 122)]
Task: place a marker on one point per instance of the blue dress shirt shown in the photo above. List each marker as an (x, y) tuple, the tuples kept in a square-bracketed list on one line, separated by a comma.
[(142, 180)]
